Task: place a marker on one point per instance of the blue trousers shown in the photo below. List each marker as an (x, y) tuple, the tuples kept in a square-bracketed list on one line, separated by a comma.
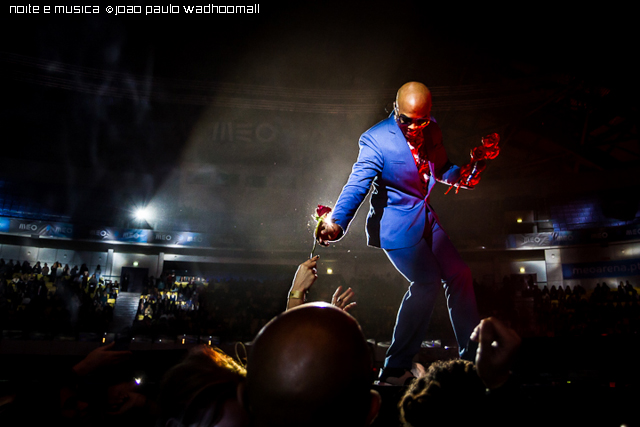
[(427, 265)]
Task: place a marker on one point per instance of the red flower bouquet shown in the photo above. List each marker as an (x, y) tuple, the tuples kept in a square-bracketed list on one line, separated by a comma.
[(470, 174)]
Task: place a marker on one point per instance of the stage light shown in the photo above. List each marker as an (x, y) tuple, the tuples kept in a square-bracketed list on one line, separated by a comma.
[(329, 271), (143, 214), (521, 269), (519, 220)]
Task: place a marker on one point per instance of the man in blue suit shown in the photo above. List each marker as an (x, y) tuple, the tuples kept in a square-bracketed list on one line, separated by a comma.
[(402, 157)]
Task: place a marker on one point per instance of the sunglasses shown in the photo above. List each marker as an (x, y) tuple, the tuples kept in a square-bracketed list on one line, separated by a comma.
[(404, 120)]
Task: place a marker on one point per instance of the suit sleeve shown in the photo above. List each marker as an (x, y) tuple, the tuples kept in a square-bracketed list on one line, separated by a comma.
[(449, 173), (369, 165)]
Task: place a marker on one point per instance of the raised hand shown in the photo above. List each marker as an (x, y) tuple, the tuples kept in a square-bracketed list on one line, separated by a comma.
[(497, 347), (305, 277), (342, 299)]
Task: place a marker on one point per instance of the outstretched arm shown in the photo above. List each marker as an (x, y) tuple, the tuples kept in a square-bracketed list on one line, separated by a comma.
[(367, 167), (305, 277)]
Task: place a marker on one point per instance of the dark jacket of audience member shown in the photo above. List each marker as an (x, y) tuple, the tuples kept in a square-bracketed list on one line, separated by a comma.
[(202, 391)]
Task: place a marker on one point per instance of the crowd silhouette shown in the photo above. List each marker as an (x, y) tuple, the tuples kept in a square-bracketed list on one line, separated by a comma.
[(309, 363)]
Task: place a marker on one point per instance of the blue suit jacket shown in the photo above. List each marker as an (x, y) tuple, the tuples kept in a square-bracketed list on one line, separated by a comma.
[(399, 201)]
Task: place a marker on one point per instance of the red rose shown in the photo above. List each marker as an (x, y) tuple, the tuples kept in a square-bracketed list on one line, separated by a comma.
[(322, 210), (491, 140), (321, 214)]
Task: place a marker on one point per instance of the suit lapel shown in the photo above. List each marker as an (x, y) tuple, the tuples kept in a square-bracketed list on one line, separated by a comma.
[(398, 140)]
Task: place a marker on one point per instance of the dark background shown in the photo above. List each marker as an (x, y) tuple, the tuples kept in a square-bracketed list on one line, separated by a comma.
[(104, 113)]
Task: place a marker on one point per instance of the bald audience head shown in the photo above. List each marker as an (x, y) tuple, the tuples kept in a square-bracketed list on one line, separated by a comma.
[(311, 366)]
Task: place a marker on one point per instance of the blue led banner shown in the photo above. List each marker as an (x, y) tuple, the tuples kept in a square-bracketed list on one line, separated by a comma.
[(133, 235), (27, 227), (593, 270), (181, 238), (530, 240), (574, 237), (40, 228)]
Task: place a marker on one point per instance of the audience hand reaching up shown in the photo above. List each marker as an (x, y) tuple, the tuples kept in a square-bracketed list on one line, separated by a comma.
[(496, 350), (342, 299), (305, 277)]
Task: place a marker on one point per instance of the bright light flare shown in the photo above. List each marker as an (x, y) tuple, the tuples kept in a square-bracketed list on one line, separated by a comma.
[(143, 214)]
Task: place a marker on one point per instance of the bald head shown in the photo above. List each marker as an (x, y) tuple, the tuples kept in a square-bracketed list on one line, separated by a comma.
[(305, 365), (414, 100)]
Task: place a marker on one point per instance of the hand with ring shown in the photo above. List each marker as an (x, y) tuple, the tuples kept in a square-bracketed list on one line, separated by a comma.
[(342, 300)]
